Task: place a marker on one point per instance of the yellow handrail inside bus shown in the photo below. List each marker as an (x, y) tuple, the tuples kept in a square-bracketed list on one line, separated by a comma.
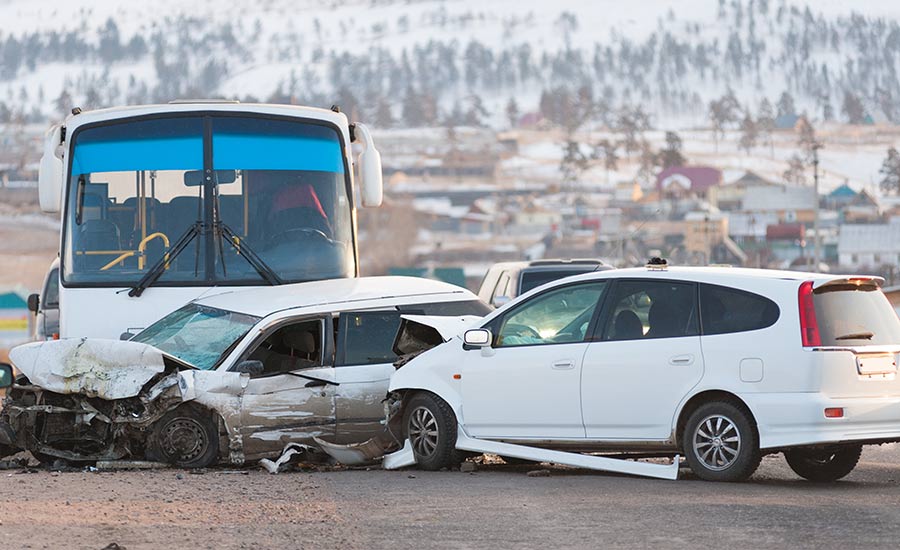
[(140, 251)]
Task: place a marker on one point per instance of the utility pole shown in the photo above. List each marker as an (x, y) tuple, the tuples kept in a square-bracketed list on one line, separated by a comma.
[(815, 151)]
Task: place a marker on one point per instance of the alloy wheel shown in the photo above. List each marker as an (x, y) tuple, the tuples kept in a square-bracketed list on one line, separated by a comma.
[(423, 431), (717, 442)]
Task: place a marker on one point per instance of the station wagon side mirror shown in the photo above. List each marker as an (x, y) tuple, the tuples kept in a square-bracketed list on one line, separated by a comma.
[(6, 375), (34, 303), (477, 338), (250, 366), (500, 301)]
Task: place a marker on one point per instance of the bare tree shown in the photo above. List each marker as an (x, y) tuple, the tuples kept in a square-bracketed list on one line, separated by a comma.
[(890, 172)]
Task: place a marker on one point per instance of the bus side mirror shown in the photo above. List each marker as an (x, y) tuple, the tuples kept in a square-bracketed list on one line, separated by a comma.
[(34, 303), (369, 168), (50, 175)]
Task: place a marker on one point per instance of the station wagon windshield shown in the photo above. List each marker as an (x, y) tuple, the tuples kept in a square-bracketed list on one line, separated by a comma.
[(138, 186), (198, 335)]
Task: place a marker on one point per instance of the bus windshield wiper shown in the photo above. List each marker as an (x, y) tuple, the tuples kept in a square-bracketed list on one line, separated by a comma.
[(243, 249), (159, 267), (856, 336)]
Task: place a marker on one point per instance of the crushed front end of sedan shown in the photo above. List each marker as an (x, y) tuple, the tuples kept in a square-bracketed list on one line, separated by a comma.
[(85, 400)]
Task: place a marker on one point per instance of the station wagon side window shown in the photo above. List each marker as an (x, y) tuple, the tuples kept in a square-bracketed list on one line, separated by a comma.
[(291, 347), (726, 310), (366, 337), (558, 316), (644, 309)]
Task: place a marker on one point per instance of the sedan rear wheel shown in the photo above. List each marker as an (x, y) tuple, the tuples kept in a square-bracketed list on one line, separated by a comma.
[(823, 464), (720, 442), (430, 425)]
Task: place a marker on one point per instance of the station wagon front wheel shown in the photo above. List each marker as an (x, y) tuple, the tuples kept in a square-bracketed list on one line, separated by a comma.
[(430, 426), (721, 443)]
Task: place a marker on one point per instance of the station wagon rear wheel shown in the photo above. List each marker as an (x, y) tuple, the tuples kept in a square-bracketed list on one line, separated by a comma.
[(823, 464), (430, 425), (720, 442)]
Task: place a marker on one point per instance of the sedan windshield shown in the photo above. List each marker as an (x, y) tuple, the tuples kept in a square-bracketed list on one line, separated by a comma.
[(197, 335)]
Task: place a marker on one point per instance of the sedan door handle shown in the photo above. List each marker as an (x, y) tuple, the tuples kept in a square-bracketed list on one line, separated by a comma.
[(564, 365), (681, 360)]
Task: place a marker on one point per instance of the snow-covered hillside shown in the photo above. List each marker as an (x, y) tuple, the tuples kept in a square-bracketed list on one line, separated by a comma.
[(407, 62)]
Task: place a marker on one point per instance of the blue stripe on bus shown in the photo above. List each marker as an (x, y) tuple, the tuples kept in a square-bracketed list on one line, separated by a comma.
[(260, 152), (182, 153)]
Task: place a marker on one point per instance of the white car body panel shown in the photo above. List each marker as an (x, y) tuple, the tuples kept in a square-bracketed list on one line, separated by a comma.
[(630, 389)]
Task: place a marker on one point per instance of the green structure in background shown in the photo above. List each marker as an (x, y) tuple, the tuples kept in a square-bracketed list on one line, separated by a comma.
[(453, 275)]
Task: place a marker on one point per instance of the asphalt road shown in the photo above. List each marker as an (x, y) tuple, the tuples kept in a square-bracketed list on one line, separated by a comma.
[(496, 506)]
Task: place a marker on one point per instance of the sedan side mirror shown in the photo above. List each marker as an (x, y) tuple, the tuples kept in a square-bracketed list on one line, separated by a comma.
[(251, 367), (34, 303), (6, 375), (477, 338)]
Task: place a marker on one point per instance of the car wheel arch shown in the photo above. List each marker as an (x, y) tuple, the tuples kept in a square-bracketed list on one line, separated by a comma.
[(452, 400), (707, 396)]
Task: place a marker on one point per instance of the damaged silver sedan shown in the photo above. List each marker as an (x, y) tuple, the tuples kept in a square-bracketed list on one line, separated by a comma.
[(233, 377)]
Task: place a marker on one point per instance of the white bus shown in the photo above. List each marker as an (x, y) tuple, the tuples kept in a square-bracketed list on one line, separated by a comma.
[(161, 204)]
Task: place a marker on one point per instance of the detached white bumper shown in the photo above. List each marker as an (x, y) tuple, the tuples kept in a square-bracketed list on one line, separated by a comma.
[(790, 419)]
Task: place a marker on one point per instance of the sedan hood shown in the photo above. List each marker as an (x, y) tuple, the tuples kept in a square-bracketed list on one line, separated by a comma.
[(108, 369)]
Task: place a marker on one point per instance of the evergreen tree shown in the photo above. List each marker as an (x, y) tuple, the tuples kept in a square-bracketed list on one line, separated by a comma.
[(765, 122), (785, 104), (573, 163), (749, 133), (890, 173), (796, 172), (853, 108), (384, 117), (512, 112), (671, 155), (806, 137)]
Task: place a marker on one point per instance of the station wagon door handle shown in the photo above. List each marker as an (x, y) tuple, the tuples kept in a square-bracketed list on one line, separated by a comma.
[(564, 365), (681, 360)]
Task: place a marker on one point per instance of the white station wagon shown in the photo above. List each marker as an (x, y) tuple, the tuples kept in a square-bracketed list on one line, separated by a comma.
[(721, 365)]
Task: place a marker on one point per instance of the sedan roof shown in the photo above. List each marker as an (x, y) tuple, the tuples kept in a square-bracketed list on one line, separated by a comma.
[(363, 292)]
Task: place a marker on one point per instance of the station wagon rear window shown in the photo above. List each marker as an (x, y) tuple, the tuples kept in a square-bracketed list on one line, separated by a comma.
[(855, 315)]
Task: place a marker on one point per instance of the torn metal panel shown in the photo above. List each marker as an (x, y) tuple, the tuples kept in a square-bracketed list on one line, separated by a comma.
[(447, 327), (293, 453), (354, 454), (605, 464), (108, 369), (400, 459)]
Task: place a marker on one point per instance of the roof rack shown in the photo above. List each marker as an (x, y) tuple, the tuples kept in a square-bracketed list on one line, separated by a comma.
[(192, 101), (657, 264), (568, 261)]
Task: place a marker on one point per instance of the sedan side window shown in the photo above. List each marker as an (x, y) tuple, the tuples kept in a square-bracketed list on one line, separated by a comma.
[(292, 347), (651, 309), (558, 316)]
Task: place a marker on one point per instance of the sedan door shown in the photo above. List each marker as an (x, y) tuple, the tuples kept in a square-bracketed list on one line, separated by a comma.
[(527, 384), (645, 359), (364, 362), (292, 399)]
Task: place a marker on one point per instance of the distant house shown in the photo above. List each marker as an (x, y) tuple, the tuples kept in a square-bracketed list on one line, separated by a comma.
[(687, 181), (786, 121), (729, 195), (14, 318), (790, 204), (869, 245)]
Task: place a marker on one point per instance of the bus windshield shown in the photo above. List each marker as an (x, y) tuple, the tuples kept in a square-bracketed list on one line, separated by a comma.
[(138, 186)]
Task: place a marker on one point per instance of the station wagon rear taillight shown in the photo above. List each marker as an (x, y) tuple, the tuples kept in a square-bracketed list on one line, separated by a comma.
[(809, 327)]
